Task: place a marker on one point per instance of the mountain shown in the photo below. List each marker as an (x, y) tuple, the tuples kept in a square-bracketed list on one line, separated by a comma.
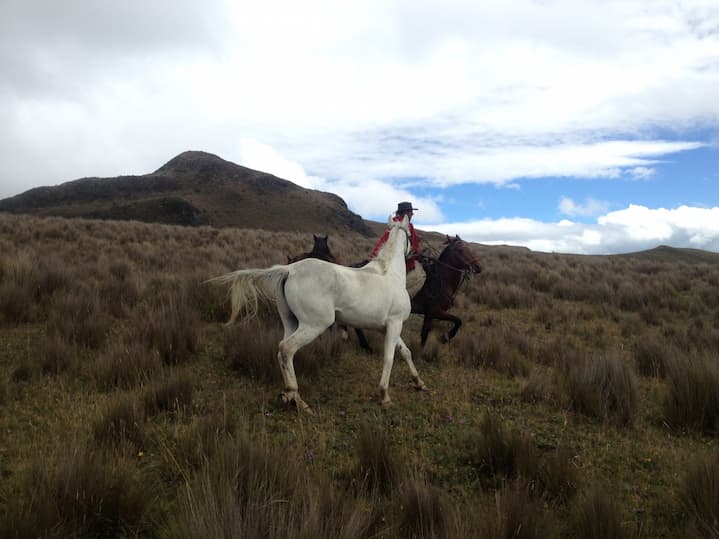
[(192, 189), (665, 253)]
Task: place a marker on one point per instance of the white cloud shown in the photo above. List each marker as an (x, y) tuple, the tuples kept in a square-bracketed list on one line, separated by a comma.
[(591, 207), (631, 229), (371, 198)]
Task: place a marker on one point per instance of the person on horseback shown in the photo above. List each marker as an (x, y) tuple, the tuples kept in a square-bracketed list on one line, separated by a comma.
[(415, 272)]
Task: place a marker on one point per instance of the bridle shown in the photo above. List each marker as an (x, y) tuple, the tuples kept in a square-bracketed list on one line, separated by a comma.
[(465, 273)]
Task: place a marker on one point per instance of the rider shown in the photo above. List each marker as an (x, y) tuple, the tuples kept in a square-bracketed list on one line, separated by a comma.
[(415, 273)]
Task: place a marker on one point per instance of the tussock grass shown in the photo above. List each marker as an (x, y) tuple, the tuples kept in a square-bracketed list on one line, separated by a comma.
[(700, 494), (124, 365), (379, 470), (58, 355), (119, 422), (496, 453), (527, 309), (651, 355), (596, 514), (602, 386), (494, 348), (517, 514), (77, 317), (171, 328), (81, 492), (247, 489), (692, 397), (251, 350), (423, 512), (172, 392)]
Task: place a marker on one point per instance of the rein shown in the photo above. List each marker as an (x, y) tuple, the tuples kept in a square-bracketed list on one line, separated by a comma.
[(465, 273)]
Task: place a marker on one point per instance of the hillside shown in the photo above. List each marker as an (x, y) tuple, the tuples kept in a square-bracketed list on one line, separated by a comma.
[(192, 189), (580, 394)]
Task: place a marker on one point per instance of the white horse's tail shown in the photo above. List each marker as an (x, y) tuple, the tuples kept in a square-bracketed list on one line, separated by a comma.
[(249, 286)]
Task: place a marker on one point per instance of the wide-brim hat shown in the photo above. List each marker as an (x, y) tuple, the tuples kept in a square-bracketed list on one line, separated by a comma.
[(405, 207)]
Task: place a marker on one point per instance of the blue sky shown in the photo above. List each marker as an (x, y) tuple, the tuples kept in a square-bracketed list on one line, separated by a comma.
[(583, 126)]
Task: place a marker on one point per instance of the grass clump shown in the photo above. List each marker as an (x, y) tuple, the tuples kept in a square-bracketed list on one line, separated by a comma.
[(171, 328), (124, 365), (378, 469), (119, 422), (497, 453), (82, 492), (692, 398), (171, 393), (247, 489), (78, 318), (423, 512), (700, 494), (602, 386), (516, 515), (596, 514)]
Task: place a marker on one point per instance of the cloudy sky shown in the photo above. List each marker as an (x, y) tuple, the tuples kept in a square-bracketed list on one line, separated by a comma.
[(570, 125)]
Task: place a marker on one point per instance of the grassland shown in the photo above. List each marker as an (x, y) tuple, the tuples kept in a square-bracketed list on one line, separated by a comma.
[(580, 398)]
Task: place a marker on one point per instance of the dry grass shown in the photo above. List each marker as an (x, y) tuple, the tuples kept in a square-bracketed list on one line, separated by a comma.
[(700, 495), (692, 397), (110, 339), (596, 514)]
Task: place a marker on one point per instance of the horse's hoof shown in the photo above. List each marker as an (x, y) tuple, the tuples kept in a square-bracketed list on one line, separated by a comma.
[(421, 387), (303, 407), (386, 403)]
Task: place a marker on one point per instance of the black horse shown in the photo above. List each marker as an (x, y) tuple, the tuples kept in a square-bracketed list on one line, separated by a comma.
[(320, 249), (456, 263)]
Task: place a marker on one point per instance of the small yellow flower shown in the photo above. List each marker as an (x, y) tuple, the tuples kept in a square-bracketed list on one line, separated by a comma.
[(140, 454)]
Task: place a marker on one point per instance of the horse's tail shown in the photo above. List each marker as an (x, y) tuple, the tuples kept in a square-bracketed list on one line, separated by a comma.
[(249, 286)]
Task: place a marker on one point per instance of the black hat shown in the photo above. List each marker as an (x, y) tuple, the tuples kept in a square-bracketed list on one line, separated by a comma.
[(404, 207)]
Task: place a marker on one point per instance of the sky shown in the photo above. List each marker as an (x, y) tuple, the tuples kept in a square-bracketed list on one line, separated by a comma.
[(572, 126)]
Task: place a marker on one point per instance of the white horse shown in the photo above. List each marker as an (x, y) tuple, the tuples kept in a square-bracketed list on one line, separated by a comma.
[(312, 294)]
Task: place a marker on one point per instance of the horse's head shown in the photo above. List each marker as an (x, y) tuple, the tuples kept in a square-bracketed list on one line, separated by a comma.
[(462, 256)]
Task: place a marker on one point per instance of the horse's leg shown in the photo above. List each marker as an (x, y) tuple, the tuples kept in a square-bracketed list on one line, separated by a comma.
[(442, 315), (407, 355), (285, 356), (392, 334), (363, 341), (426, 328)]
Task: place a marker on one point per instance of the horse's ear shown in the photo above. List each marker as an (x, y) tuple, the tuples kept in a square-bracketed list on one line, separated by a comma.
[(448, 238), (456, 237), (389, 220), (314, 237), (326, 237)]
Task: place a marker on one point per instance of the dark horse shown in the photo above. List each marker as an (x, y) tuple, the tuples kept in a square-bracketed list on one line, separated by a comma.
[(319, 250), (444, 276)]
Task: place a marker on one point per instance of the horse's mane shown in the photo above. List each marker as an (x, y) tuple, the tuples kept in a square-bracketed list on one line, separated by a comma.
[(385, 253)]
